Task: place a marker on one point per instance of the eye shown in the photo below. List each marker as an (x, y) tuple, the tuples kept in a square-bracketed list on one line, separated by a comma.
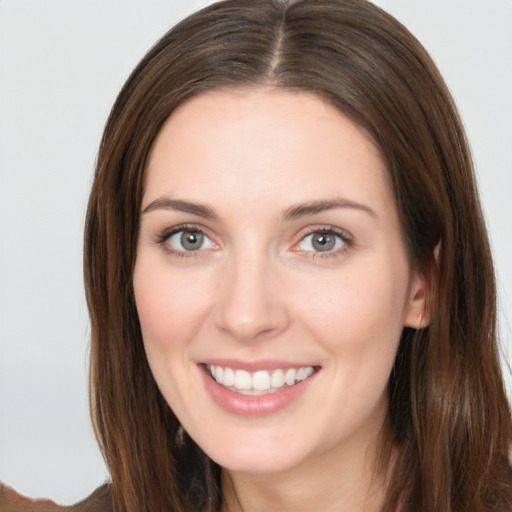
[(323, 241), (187, 240)]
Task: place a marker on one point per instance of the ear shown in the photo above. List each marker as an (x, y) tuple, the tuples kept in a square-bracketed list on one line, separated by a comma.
[(418, 313)]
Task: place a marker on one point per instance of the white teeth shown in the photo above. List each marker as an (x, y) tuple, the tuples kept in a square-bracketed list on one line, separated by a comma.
[(262, 380), (229, 377), (304, 373), (243, 380), (289, 377), (277, 379), (219, 373)]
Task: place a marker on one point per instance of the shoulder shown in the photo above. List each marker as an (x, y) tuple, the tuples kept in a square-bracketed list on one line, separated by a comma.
[(99, 501), (11, 501)]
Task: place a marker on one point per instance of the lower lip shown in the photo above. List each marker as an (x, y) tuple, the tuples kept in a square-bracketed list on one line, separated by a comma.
[(252, 406)]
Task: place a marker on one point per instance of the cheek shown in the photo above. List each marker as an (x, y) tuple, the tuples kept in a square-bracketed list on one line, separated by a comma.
[(360, 310), (170, 305), (171, 308), (358, 320)]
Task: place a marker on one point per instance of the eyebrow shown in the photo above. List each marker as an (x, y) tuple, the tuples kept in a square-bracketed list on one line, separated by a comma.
[(313, 207), (167, 203), (294, 212)]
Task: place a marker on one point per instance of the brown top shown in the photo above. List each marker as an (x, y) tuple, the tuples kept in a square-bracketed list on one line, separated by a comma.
[(11, 501)]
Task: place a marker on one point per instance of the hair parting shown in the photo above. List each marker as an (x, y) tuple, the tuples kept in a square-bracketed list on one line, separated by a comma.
[(445, 446)]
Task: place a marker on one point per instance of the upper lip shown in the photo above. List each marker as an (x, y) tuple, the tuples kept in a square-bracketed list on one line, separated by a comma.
[(252, 366)]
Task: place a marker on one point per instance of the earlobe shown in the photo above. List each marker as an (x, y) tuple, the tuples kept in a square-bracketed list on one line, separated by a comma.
[(423, 285), (418, 309)]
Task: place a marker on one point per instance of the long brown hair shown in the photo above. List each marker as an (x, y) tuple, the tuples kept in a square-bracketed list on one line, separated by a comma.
[(449, 417)]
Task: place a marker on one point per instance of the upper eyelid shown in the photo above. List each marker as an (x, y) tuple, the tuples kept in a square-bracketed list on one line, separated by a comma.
[(342, 233), (332, 255), (301, 233), (345, 235), (163, 235), (185, 227)]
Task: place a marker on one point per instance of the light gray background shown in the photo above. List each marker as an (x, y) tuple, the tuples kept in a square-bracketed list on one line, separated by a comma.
[(62, 63)]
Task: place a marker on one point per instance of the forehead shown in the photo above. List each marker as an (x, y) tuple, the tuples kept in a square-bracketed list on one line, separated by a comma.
[(264, 143)]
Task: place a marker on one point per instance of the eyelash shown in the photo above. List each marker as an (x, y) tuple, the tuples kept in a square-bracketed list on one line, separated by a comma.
[(344, 236), (164, 236)]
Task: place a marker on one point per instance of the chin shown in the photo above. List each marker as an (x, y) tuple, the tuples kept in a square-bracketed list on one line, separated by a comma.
[(260, 456), (255, 464)]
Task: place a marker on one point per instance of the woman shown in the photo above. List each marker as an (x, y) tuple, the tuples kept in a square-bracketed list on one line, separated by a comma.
[(289, 280)]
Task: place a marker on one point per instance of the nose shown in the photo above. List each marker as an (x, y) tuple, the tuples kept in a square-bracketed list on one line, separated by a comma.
[(251, 303)]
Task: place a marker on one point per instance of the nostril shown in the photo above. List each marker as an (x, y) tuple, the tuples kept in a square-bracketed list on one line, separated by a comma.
[(249, 305)]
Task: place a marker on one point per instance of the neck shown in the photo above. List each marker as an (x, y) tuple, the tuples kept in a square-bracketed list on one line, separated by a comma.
[(342, 480)]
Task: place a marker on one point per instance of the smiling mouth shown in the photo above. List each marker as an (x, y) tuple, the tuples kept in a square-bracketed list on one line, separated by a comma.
[(261, 382)]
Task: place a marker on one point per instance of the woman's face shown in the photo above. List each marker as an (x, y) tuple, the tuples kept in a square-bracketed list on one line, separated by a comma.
[(270, 254)]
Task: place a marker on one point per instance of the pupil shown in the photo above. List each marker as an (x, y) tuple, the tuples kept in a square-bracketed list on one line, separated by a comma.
[(323, 241), (191, 240)]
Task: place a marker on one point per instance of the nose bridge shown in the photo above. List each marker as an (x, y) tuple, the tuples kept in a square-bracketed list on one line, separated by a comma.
[(250, 302)]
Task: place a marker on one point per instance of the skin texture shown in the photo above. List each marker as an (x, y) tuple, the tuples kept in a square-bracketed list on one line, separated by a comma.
[(259, 291)]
